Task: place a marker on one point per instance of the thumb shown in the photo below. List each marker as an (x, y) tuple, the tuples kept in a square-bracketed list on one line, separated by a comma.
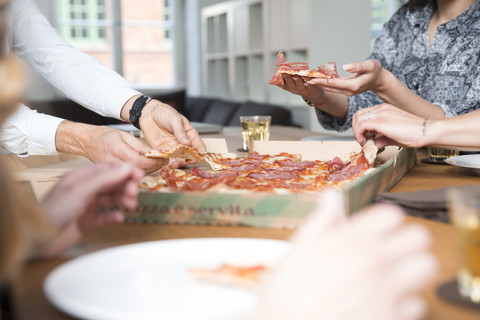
[(136, 144), (280, 58), (360, 67)]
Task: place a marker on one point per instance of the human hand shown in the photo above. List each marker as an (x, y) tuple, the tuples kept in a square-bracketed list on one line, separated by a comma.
[(101, 143), (369, 75), (89, 198), (366, 267), (390, 125), (164, 128), (300, 85)]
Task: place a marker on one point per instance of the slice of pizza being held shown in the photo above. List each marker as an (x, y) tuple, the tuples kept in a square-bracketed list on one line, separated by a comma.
[(326, 71), (181, 151)]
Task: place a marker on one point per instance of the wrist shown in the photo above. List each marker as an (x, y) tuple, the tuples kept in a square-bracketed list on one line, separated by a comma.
[(383, 83), (125, 112), (317, 101), (72, 136), (138, 109), (431, 129)]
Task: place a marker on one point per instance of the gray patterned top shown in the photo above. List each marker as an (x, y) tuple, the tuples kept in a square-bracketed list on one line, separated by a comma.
[(447, 73)]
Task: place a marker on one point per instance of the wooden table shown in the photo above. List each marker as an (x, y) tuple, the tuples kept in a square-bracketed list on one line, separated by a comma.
[(32, 303)]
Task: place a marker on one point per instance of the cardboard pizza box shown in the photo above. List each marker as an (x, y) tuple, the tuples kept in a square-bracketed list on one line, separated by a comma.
[(39, 174), (273, 210)]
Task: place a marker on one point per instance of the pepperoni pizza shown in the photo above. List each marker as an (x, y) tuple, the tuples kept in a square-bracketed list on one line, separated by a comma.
[(281, 173)]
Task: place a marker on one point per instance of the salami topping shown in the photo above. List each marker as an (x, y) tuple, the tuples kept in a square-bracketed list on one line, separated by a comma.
[(261, 173)]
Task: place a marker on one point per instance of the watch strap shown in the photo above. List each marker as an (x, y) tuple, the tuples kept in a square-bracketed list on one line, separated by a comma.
[(136, 111)]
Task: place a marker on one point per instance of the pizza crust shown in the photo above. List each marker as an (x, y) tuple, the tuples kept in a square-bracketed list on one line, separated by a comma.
[(370, 150), (181, 151), (307, 73)]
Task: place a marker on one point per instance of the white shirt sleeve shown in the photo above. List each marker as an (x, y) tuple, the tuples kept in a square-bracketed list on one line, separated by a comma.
[(28, 132), (79, 76)]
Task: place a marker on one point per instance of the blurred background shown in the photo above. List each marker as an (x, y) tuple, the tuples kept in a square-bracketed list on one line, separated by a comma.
[(215, 49)]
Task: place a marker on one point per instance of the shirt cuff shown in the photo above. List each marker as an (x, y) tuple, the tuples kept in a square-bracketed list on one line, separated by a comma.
[(29, 132)]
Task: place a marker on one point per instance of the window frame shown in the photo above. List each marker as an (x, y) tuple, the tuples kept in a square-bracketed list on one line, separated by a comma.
[(175, 27)]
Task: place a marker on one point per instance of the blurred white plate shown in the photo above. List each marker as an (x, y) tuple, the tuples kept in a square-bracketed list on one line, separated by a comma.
[(151, 281), (328, 138), (470, 161), (199, 126)]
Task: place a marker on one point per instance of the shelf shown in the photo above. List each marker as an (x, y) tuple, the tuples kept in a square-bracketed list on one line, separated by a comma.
[(256, 27), (256, 82), (216, 56), (240, 88), (217, 80), (217, 34)]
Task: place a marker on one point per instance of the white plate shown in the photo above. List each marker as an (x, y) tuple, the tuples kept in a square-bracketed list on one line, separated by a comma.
[(199, 126), (471, 161), (151, 281), (328, 138)]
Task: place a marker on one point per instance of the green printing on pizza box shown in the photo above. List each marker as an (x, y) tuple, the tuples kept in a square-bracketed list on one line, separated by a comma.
[(264, 209)]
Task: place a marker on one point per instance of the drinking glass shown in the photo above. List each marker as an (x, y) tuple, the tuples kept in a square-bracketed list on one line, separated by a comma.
[(464, 211), (440, 155), (255, 128)]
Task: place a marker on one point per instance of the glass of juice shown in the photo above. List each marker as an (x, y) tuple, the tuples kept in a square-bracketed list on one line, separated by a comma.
[(464, 211), (255, 128)]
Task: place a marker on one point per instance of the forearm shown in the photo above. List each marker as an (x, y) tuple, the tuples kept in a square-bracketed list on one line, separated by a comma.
[(461, 131), (392, 91)]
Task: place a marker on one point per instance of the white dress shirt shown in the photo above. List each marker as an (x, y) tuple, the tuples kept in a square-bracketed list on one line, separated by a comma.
[(79, 76)]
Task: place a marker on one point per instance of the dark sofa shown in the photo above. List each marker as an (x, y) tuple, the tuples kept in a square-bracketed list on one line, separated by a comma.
[(207, 110)]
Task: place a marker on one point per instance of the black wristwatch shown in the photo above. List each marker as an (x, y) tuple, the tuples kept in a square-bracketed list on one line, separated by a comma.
[(136, 110)]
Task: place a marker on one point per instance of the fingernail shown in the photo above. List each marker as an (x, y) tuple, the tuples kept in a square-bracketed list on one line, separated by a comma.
[(348, 67)]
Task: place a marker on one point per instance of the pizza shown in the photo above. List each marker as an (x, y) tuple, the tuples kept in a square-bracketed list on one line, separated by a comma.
[(327, 71), (230, 274), (370, 150), (283, 173), (180, 151)]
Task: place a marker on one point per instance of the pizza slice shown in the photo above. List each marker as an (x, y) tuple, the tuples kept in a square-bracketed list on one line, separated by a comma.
[(232, 275), (181, 151), (326, 71), (370, 150)]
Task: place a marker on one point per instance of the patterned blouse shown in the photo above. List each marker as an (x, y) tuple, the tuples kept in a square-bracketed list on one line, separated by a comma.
[(447, 73)]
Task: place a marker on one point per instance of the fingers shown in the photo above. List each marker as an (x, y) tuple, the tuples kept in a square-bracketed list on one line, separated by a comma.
[(378, 221), (412, 308), (412, 273), (280, 58), (178, 128), (329, 213), (133, 151), (72, 178), (194, 137), (367, 66)]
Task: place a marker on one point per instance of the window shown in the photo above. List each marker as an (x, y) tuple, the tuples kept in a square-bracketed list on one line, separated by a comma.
[(382, 10), (133, 37)]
